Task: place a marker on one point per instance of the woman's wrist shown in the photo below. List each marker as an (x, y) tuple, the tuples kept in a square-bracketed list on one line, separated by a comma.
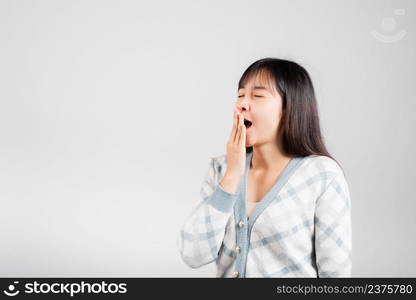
[(230, 182)]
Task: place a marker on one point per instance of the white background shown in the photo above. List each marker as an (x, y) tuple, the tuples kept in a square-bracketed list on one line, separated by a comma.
[(110, 111)]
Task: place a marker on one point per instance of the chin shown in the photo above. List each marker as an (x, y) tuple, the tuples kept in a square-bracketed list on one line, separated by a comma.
[(249, 144)]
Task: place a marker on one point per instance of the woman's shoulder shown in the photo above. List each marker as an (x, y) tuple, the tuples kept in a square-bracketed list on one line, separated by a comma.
[(321, 165), (312, 164), (310, 161)]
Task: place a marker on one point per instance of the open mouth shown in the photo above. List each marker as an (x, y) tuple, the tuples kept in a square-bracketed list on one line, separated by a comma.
[(247, 123)]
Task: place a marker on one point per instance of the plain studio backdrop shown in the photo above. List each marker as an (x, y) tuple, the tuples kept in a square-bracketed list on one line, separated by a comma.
[(110, 111)]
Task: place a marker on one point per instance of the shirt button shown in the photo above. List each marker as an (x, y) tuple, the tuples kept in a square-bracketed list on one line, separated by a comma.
[(235, 274), (237, 249), (241, 224)]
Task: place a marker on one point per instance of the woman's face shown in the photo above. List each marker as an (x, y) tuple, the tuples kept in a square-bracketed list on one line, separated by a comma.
[(260, 103)]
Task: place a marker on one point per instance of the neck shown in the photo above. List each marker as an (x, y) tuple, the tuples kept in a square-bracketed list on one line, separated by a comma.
[(268, 157)]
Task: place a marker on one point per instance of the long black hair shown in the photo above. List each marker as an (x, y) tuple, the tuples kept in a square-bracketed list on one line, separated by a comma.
[(300, 129)]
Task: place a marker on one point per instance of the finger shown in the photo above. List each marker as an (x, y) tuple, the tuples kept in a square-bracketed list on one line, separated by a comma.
[(235, 119), (238, 129), (233, 129), (243, 135), (242, 129)]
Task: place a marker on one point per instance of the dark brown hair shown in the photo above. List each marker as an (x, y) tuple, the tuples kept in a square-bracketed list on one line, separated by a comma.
[(300, 129)]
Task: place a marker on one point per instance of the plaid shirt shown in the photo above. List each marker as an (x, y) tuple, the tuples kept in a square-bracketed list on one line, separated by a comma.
[(300, 228)]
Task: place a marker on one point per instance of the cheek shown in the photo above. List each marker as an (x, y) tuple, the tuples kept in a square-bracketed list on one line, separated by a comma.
[(267, 126), (268, 120), (266, 114)]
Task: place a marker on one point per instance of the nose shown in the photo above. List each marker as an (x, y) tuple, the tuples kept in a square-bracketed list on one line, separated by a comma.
[(242, 106)]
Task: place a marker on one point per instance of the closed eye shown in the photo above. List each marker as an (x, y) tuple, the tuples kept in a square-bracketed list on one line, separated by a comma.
[(258, 96)]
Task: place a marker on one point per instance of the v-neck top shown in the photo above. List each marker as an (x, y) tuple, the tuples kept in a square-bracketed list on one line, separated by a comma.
[(300, 228), (250, 207), (268, 197)]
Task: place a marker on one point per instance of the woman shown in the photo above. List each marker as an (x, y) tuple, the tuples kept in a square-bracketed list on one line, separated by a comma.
[(276, 204)]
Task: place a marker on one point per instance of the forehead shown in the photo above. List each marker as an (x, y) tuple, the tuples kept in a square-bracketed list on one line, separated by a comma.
[(258, 80)]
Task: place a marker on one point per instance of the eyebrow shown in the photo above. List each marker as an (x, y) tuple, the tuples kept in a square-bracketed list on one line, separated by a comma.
[(257, 88)]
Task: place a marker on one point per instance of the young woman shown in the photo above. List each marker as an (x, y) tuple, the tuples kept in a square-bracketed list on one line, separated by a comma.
[(276, 204)]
